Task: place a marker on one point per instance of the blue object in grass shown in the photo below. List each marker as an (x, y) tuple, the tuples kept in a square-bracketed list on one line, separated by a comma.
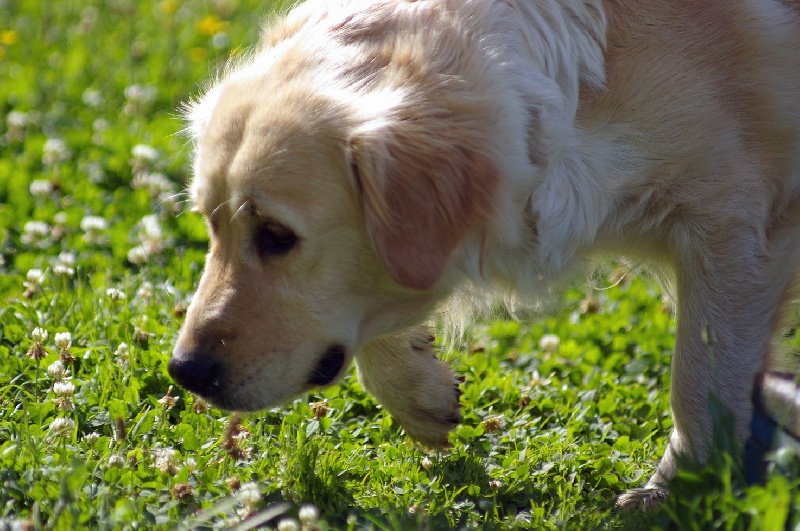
[(775, 424)]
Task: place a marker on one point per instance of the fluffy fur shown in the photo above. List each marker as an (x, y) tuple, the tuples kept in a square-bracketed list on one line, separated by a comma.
[(374, 158)]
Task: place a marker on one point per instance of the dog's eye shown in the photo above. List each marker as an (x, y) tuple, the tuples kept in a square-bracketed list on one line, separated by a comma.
[(274, 239)]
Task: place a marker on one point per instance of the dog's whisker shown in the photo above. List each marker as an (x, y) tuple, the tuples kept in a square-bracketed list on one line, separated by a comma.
[(247, 205), (219, 207)]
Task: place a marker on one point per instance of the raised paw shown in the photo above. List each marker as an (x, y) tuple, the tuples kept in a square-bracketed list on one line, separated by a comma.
[(643, 499), (402, 372)]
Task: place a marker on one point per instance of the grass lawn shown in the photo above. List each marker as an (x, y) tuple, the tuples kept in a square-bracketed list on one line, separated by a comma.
[(98, 260)]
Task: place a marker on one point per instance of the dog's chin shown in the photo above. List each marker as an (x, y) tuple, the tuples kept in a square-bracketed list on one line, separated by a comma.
[(229, 400), (327, 371)]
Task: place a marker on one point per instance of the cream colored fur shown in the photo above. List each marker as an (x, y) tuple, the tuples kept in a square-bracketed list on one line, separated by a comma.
[(424, 149)]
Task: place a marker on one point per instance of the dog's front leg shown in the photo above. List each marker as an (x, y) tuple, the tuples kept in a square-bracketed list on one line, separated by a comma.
[(402, 372)]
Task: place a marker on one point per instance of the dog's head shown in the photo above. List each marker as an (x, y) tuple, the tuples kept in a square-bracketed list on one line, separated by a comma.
[(331, 222)]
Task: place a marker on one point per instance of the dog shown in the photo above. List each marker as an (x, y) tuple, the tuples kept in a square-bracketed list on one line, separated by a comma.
[(373, 159)]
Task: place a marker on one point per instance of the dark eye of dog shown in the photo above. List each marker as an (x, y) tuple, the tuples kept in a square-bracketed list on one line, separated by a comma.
[(273, 239)]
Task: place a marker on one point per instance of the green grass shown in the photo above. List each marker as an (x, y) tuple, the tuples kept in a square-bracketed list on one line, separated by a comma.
[(550, 434)]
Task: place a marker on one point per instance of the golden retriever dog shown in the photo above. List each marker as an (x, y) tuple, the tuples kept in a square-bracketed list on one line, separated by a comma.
[(374, 158)]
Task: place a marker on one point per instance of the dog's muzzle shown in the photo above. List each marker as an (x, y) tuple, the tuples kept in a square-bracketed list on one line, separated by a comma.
[(329, 366)]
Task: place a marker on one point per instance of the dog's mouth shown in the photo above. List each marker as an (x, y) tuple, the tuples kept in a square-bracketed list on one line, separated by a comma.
[(328, 367)]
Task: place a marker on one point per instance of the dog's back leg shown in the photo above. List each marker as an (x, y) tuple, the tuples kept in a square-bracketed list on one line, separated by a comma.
[(730, 290)]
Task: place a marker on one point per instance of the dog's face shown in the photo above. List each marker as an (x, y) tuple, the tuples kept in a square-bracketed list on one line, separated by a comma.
[(325, 232), (289, 288)]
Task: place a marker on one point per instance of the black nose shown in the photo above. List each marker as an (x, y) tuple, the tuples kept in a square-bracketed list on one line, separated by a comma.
[(328, 366), (201, 375)]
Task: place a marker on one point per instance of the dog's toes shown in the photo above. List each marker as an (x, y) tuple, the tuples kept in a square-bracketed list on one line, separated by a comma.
[(643, 499), (432, 415), (420, 391)]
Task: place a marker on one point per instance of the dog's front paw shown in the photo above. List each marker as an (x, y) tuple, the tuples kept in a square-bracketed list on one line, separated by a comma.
[(643, 499), (402, 372)]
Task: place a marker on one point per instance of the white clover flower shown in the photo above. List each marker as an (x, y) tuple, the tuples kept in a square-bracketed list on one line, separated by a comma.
[(115, 295), (122, 350), (164, 459), (93, 228), (63, 340), (240, 437), (56, 370), (427, 464), (137, 255), (62, 425), (60, 219), (36, 228), (95, 171), (150, 225), (155, 183), (93, 98), (16, 120), (93, 224), (308, 515), (115, 461), (145, 291), (63, 271), (54, 151), (549, 342), (64, 388), (145, 153), (67, 259), (249, 494), (220, 40), (39, 334), (288, 524), (151, 235), (140, 93), (100, 125), (41, 188), (65, 263), (36, 233), (91, 438), (35, 277), (138, 98)]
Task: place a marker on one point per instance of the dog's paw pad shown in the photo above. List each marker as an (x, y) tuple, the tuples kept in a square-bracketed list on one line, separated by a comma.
[(643, 499)]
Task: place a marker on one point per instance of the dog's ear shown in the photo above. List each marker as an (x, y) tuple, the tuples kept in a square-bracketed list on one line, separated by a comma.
[(425, 182)]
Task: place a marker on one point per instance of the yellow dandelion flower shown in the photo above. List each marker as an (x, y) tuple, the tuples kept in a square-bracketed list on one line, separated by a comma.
[(211, 25), (168, 7), (8, 37), (198, 55)]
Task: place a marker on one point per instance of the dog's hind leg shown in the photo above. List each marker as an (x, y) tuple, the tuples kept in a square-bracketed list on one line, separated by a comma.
[(729, 300), (422, 393)]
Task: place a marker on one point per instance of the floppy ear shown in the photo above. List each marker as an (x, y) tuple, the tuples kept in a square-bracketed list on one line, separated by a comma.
[(425, 181)]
